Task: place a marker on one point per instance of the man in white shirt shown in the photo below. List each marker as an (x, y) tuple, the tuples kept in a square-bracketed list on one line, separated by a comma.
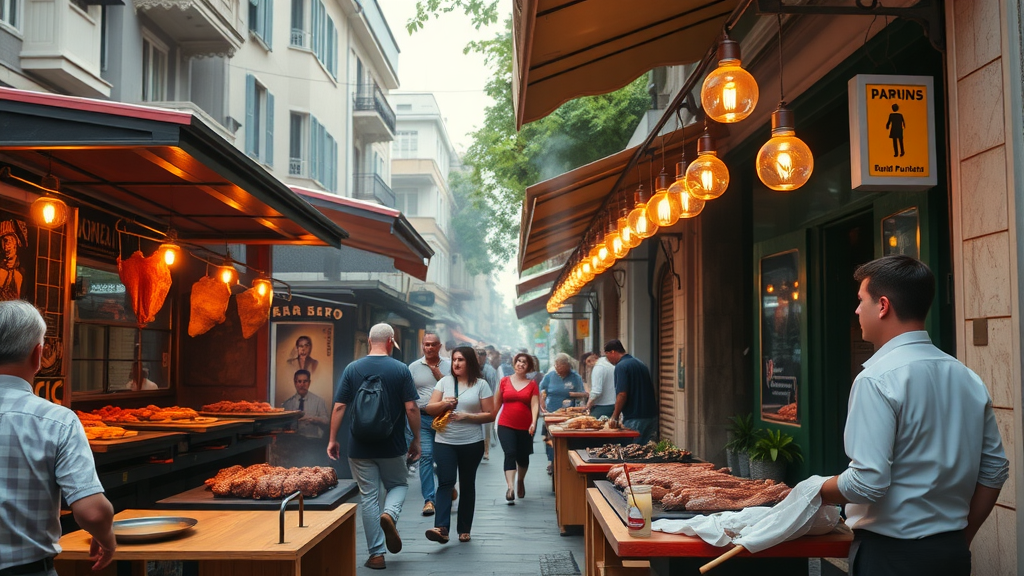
[(426, 371), (602, 389), (926, 457)]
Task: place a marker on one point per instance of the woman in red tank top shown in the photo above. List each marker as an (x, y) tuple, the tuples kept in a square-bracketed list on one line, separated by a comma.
[(517, 422)]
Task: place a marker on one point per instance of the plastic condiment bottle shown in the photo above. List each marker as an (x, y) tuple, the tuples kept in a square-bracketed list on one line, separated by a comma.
[(638, 517)]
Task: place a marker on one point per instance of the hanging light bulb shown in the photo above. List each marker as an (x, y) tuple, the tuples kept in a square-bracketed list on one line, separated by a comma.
[(688, 205), (49, 212), (641, 225), (613, 241), (663, 208), (226, 272), (170, 249), (264, 287), (629, 238), (729, 93), (784, 163), (708, 177)]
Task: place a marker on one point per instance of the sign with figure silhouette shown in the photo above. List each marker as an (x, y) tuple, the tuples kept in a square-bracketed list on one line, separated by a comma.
[(892, 132)]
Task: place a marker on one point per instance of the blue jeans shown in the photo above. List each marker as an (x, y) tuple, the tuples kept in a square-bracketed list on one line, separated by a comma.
[(370, 474), (426, 461), (647, 427)]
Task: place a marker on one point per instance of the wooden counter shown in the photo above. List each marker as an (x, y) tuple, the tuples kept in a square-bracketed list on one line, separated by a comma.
[(607, 541), (230, 543), (570, 507)]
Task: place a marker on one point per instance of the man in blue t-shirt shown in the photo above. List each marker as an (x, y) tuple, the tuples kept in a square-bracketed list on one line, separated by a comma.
[(634, 393), (380, 463)]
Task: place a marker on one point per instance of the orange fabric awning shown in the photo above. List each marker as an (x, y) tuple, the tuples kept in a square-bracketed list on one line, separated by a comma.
[(375, 228), (565, 49)]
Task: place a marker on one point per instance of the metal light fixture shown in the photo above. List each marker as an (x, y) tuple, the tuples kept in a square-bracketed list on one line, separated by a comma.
[(264, 287), (707, 177), (629, 238), (689, 206), (49, 212), (729, 93), (641, 225), (170, 249), (226, 272), (784, 163)]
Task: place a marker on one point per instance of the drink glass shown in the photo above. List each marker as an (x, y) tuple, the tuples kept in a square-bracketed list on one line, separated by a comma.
[(639, 507)]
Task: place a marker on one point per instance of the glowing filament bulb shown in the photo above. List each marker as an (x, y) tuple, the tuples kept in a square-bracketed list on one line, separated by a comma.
[(49, 214), (707, 179), (729, 97), (784, 166)]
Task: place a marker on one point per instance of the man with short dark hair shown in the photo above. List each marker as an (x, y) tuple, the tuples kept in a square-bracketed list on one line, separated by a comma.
[(926, 457), (315, 418), (379, 463), (45, 456), (635, 398), (426, 371)]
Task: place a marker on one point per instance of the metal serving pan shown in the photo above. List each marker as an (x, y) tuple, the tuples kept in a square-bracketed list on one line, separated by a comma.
[(151, 528)]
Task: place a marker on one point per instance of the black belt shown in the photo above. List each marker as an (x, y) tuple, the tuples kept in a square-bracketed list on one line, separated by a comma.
[(423, 412), (44, 565)]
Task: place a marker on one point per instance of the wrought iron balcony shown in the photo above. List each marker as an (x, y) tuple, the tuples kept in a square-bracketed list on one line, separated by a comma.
[(368, 186), (373, 116)]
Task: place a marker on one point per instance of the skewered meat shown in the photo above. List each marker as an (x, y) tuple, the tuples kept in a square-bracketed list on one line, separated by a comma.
[(147, 282), (253, 310), (263, 481), (209, 305), (655, 452), (570, 411), (228, 407), (699, 487), (583, 423)]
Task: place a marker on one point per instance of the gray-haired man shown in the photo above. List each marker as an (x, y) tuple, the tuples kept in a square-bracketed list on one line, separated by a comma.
[(45, 456)]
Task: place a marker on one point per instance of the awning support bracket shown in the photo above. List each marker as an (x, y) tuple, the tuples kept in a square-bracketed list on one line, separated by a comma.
[(927, 13)]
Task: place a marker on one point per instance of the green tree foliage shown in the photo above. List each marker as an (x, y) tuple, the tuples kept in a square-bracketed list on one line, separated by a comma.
[(470, 223), (503, 162)]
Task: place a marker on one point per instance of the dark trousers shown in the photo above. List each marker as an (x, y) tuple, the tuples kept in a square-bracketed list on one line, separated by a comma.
[(456, 461), (872, 554), (518, 445)]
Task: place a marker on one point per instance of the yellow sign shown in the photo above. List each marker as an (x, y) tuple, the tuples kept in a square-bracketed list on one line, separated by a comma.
[(892, 132), (582, 329)]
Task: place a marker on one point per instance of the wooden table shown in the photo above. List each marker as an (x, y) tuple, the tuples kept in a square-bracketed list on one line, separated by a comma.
[(234, 543), (608, 543), (570, 507)]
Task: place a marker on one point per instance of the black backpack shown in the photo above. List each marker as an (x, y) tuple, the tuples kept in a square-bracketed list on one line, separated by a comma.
[(372, 418)]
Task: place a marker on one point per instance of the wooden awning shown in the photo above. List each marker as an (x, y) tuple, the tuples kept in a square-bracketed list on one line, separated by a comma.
[(162, 167), (565, 49), (375, 228), (557, 212)]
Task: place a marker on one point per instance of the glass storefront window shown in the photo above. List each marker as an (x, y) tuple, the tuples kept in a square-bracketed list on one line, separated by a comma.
[(901, 233), (781, 298), (107, 343)]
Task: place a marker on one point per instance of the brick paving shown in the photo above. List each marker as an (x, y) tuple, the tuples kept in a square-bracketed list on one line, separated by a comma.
[(507, 540)]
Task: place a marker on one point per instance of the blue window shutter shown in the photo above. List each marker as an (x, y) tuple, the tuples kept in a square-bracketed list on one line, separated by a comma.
[(268, 26), (250, 114), (314, 150), (334, 179), (269, 159)]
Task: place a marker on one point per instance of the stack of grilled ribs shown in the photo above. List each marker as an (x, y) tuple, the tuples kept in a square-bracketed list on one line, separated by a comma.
[(263, 481), (699, 487)]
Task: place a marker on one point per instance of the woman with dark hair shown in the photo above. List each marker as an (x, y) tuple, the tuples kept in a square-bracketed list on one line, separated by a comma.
[(517, 423), (587, 360), (459, 447), (303, 359)]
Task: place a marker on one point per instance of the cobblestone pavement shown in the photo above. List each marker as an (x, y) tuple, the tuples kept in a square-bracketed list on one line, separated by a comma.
[(507, 540)]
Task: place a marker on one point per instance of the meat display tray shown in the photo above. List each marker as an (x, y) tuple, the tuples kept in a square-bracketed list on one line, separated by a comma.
[(586, 457), (202, 499), (253, 415), (148, 440), (617, 500)]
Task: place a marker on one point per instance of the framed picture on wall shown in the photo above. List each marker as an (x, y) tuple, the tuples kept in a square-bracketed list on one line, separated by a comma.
[(301, 349)]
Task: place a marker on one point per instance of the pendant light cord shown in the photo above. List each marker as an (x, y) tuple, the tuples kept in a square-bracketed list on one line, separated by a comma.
[(782, 98)]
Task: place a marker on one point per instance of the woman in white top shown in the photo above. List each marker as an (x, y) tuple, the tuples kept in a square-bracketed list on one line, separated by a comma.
[(459, 448)]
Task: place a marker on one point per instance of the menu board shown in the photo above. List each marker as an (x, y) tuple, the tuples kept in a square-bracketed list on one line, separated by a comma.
[(781, 308)]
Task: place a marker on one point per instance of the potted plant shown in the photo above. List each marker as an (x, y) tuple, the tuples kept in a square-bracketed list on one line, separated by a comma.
[(743, 435), (771, 453)]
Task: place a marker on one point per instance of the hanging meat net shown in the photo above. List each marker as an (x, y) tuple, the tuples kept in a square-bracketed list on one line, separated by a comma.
[(253, 310), (210, 298), (147, 282)]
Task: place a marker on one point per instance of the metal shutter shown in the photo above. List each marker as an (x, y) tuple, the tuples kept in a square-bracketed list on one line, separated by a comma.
[(666, 358)]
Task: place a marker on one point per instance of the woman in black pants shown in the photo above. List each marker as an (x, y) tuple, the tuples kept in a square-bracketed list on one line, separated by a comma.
[(459, 447), (521, 399)]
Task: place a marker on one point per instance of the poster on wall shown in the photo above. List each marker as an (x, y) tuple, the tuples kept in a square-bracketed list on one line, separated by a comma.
[(302, 347), (781, 351)]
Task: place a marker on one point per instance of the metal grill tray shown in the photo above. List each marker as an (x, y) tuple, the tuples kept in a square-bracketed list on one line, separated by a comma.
[(202, 499), (151, 528)]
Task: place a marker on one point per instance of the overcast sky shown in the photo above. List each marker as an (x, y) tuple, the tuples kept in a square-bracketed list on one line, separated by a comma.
[(431, 60)]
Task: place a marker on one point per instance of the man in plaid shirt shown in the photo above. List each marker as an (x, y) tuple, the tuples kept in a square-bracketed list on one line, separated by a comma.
[(44, 455)]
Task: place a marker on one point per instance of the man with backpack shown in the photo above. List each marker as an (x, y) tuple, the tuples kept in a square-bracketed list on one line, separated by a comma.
[(380, 393)]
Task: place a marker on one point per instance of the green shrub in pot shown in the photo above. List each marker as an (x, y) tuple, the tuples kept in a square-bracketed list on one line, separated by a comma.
[(771, 453), (743, 436)]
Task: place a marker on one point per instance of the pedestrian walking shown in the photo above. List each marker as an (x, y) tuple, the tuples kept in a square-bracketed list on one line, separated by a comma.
[(635, 399), (602, 389), (459, 446), (378, 461), (491, 375), (426, 371), (518, 399), (45, 457), (926, 457)]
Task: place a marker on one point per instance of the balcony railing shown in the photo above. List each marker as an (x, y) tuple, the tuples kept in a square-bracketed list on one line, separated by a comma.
[(369, 97), (372, 187), (296, 167), (300, 38)]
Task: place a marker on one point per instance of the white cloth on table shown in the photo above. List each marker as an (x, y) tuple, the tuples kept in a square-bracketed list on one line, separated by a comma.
[(759, 527)]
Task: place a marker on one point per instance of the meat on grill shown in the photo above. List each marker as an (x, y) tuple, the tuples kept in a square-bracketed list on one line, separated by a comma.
[(263, 481), (699, 487)]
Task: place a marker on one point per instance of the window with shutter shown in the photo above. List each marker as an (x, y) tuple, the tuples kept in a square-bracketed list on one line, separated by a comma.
[(250, 115), (666, 357), (268, 152)]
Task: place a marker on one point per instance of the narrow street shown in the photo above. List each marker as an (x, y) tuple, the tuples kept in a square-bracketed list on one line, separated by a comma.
[(508, 540)]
